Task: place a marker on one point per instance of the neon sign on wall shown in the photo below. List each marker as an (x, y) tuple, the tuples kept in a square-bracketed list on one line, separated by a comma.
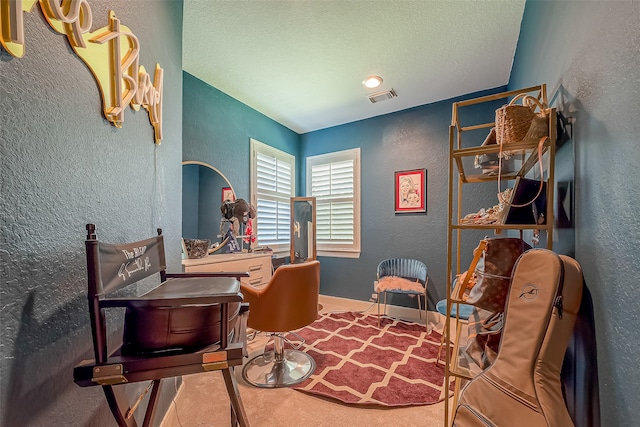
[(111, 53)]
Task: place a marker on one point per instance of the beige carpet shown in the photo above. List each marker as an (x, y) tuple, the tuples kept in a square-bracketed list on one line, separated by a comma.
[(202, 400)]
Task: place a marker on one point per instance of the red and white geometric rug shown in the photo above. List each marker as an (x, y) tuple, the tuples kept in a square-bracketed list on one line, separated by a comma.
[(359, 363)]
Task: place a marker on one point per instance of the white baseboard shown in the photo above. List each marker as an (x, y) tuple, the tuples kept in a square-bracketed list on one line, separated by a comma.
[(406, 313)]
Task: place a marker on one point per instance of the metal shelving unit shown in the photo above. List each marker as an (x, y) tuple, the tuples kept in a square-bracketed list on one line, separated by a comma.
[(463, 176)]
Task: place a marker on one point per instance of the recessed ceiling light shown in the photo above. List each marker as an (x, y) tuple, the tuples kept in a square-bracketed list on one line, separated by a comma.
[(372, 81)]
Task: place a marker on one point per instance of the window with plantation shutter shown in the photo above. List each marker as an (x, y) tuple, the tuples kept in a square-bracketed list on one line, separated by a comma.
[(334, 180), (272, 186)]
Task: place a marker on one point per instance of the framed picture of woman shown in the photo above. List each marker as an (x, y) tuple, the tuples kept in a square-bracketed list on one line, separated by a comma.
[(411, 191)]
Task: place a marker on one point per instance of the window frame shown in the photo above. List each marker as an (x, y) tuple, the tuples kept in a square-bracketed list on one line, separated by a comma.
[(257, 147), (339, 250)]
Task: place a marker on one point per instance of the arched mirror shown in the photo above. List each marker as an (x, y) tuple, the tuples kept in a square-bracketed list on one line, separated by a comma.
[(204, 188)]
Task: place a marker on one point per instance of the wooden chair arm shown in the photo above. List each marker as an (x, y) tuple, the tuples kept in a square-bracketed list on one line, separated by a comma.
[(183, 290), (237, 274), (142, 302)]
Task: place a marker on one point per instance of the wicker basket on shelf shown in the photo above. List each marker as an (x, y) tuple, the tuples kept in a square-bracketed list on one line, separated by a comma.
[(515, 122)]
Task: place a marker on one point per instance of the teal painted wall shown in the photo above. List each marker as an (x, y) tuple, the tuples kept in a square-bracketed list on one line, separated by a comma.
[(588, 55), (410, 139), (64, 165), (217, 129)]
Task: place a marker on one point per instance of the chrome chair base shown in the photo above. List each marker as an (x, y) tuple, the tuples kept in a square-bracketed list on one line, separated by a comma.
[(265, 370)]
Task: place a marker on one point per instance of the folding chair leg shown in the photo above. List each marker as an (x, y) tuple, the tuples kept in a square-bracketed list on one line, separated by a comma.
[(239, 417), (151, 406), (123, 411), (119, 405)]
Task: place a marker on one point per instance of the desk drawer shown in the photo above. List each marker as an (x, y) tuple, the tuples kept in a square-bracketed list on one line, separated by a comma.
[(255, 280), (259, 269)]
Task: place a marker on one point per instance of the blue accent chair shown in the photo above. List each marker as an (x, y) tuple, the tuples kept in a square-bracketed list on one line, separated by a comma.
[(406, 268)]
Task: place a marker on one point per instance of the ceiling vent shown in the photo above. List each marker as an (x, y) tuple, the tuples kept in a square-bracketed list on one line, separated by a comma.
[(382, 96)]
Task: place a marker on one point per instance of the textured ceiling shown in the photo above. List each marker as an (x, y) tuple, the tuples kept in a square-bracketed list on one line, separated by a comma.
[(302, 62)]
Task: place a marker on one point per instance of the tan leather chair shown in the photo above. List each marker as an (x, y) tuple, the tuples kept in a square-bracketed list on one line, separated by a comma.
[(288, 302)]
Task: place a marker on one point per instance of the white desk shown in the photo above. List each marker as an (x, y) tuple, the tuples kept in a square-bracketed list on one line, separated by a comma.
[(257, 265)]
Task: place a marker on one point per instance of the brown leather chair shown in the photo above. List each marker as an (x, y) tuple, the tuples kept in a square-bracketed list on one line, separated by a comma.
[(288, 302)]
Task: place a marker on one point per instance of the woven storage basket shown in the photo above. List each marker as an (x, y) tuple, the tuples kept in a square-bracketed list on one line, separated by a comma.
[(515, 123), (196, 248)]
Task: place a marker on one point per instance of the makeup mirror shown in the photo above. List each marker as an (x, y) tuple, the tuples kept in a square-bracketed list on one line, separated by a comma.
[(303, 229)]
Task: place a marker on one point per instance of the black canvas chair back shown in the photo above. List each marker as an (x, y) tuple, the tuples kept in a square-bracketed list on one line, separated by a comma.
[(189, 323), (122, 265)]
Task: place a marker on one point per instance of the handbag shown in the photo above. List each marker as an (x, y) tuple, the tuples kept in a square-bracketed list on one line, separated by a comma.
[(484, 335), (493, 274), (527, 204), (526, 121)]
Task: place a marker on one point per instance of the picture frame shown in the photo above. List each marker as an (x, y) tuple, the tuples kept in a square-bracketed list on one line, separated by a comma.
[(410, 191), (227, 194)]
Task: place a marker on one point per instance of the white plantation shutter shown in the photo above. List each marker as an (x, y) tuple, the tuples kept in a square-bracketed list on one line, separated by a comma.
[(273, 222), (272, 186), (334, 180)]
